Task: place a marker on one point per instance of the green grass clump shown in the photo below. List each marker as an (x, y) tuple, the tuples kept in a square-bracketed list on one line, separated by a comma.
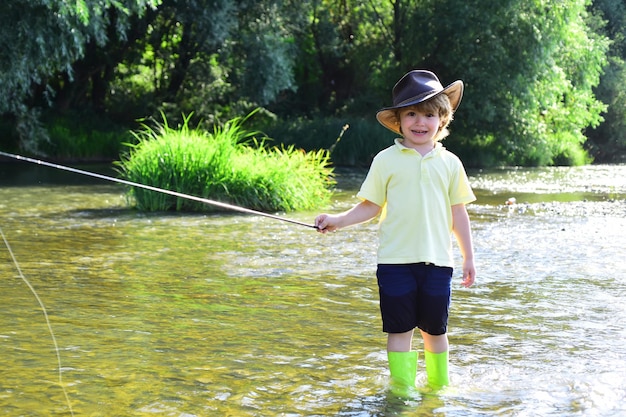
[(227, 165)]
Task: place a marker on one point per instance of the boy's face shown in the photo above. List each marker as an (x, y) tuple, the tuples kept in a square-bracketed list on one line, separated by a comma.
[(419, 128)]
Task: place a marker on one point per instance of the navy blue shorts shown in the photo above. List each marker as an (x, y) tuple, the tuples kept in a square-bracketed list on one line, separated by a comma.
[(414, 295)]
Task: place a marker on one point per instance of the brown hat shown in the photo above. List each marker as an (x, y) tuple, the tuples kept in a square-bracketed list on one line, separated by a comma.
[(413, 88)]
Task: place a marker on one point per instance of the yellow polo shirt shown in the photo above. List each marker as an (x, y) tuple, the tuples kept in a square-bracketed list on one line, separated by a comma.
[(416, 193)]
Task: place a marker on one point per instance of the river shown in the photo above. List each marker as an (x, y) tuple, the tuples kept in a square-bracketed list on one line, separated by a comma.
[(236, 315)]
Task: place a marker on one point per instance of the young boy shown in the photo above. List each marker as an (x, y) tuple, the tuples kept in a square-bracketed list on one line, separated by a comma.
[(420, 190)]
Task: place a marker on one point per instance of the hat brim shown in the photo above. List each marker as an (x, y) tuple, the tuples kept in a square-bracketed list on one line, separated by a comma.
[(387, 115)]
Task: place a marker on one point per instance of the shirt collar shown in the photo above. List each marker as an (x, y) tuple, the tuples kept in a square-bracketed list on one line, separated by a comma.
[(436, 150)]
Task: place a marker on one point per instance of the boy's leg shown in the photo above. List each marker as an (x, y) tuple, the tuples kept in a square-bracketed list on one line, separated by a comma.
[(437, 369), (399, 342), (436, 359), (435, 343), (434, 306), (402, 361), (397, 289), (403, 369)]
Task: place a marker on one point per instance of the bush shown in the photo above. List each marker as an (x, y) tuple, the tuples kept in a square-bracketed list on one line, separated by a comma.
[(83, 136), (228, 165)]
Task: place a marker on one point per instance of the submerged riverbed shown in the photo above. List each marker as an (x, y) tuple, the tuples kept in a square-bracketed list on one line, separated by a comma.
[(236, 315)]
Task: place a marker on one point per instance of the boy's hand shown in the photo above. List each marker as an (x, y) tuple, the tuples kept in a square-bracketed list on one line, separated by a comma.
[(469, 273), (364, 211), (326, 223)]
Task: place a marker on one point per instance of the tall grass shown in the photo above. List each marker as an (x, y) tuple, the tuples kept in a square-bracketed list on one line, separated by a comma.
[(228, 165)]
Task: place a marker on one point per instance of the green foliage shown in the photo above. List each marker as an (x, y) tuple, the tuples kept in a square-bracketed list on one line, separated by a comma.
[(217, 59), (361, 141), (529, 67), (29, 129), (42, 39), (83, 136), (268, 50), (539, 74), (529, 72), (607, 142), (227, 165)]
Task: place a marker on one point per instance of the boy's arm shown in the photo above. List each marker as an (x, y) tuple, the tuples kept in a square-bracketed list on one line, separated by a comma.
[(463, 233), (362, 212)]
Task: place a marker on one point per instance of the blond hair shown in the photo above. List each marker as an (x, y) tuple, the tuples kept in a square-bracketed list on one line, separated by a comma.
[(440, 104)]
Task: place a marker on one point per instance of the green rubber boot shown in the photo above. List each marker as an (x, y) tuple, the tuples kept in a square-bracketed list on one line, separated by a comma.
[(437, 369), (403, 369)]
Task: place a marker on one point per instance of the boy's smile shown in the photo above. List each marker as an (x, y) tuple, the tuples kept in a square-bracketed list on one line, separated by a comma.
[(419, 129)]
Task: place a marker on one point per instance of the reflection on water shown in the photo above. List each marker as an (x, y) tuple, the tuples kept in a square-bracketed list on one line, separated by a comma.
[(231, 315)]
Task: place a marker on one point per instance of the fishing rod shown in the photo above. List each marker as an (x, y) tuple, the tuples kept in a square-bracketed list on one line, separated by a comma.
[(158, 190)]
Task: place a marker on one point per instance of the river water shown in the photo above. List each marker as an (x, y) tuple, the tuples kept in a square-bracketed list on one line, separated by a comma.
[(235, 315)]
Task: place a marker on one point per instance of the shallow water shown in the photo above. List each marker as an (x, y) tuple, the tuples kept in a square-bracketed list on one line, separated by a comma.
[(234, 315)]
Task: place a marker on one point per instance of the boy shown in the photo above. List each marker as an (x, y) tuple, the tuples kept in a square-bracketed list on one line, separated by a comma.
[(420, 189)]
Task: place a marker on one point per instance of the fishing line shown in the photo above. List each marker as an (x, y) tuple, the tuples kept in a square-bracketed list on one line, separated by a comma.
[(45, 314), (158, 190)]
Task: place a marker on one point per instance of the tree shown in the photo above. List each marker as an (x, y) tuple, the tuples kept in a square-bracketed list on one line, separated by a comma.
[(529, 71), (529, 74), (531, 68), (172, 63), (41, 38), (607, 142), (215, 58)]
